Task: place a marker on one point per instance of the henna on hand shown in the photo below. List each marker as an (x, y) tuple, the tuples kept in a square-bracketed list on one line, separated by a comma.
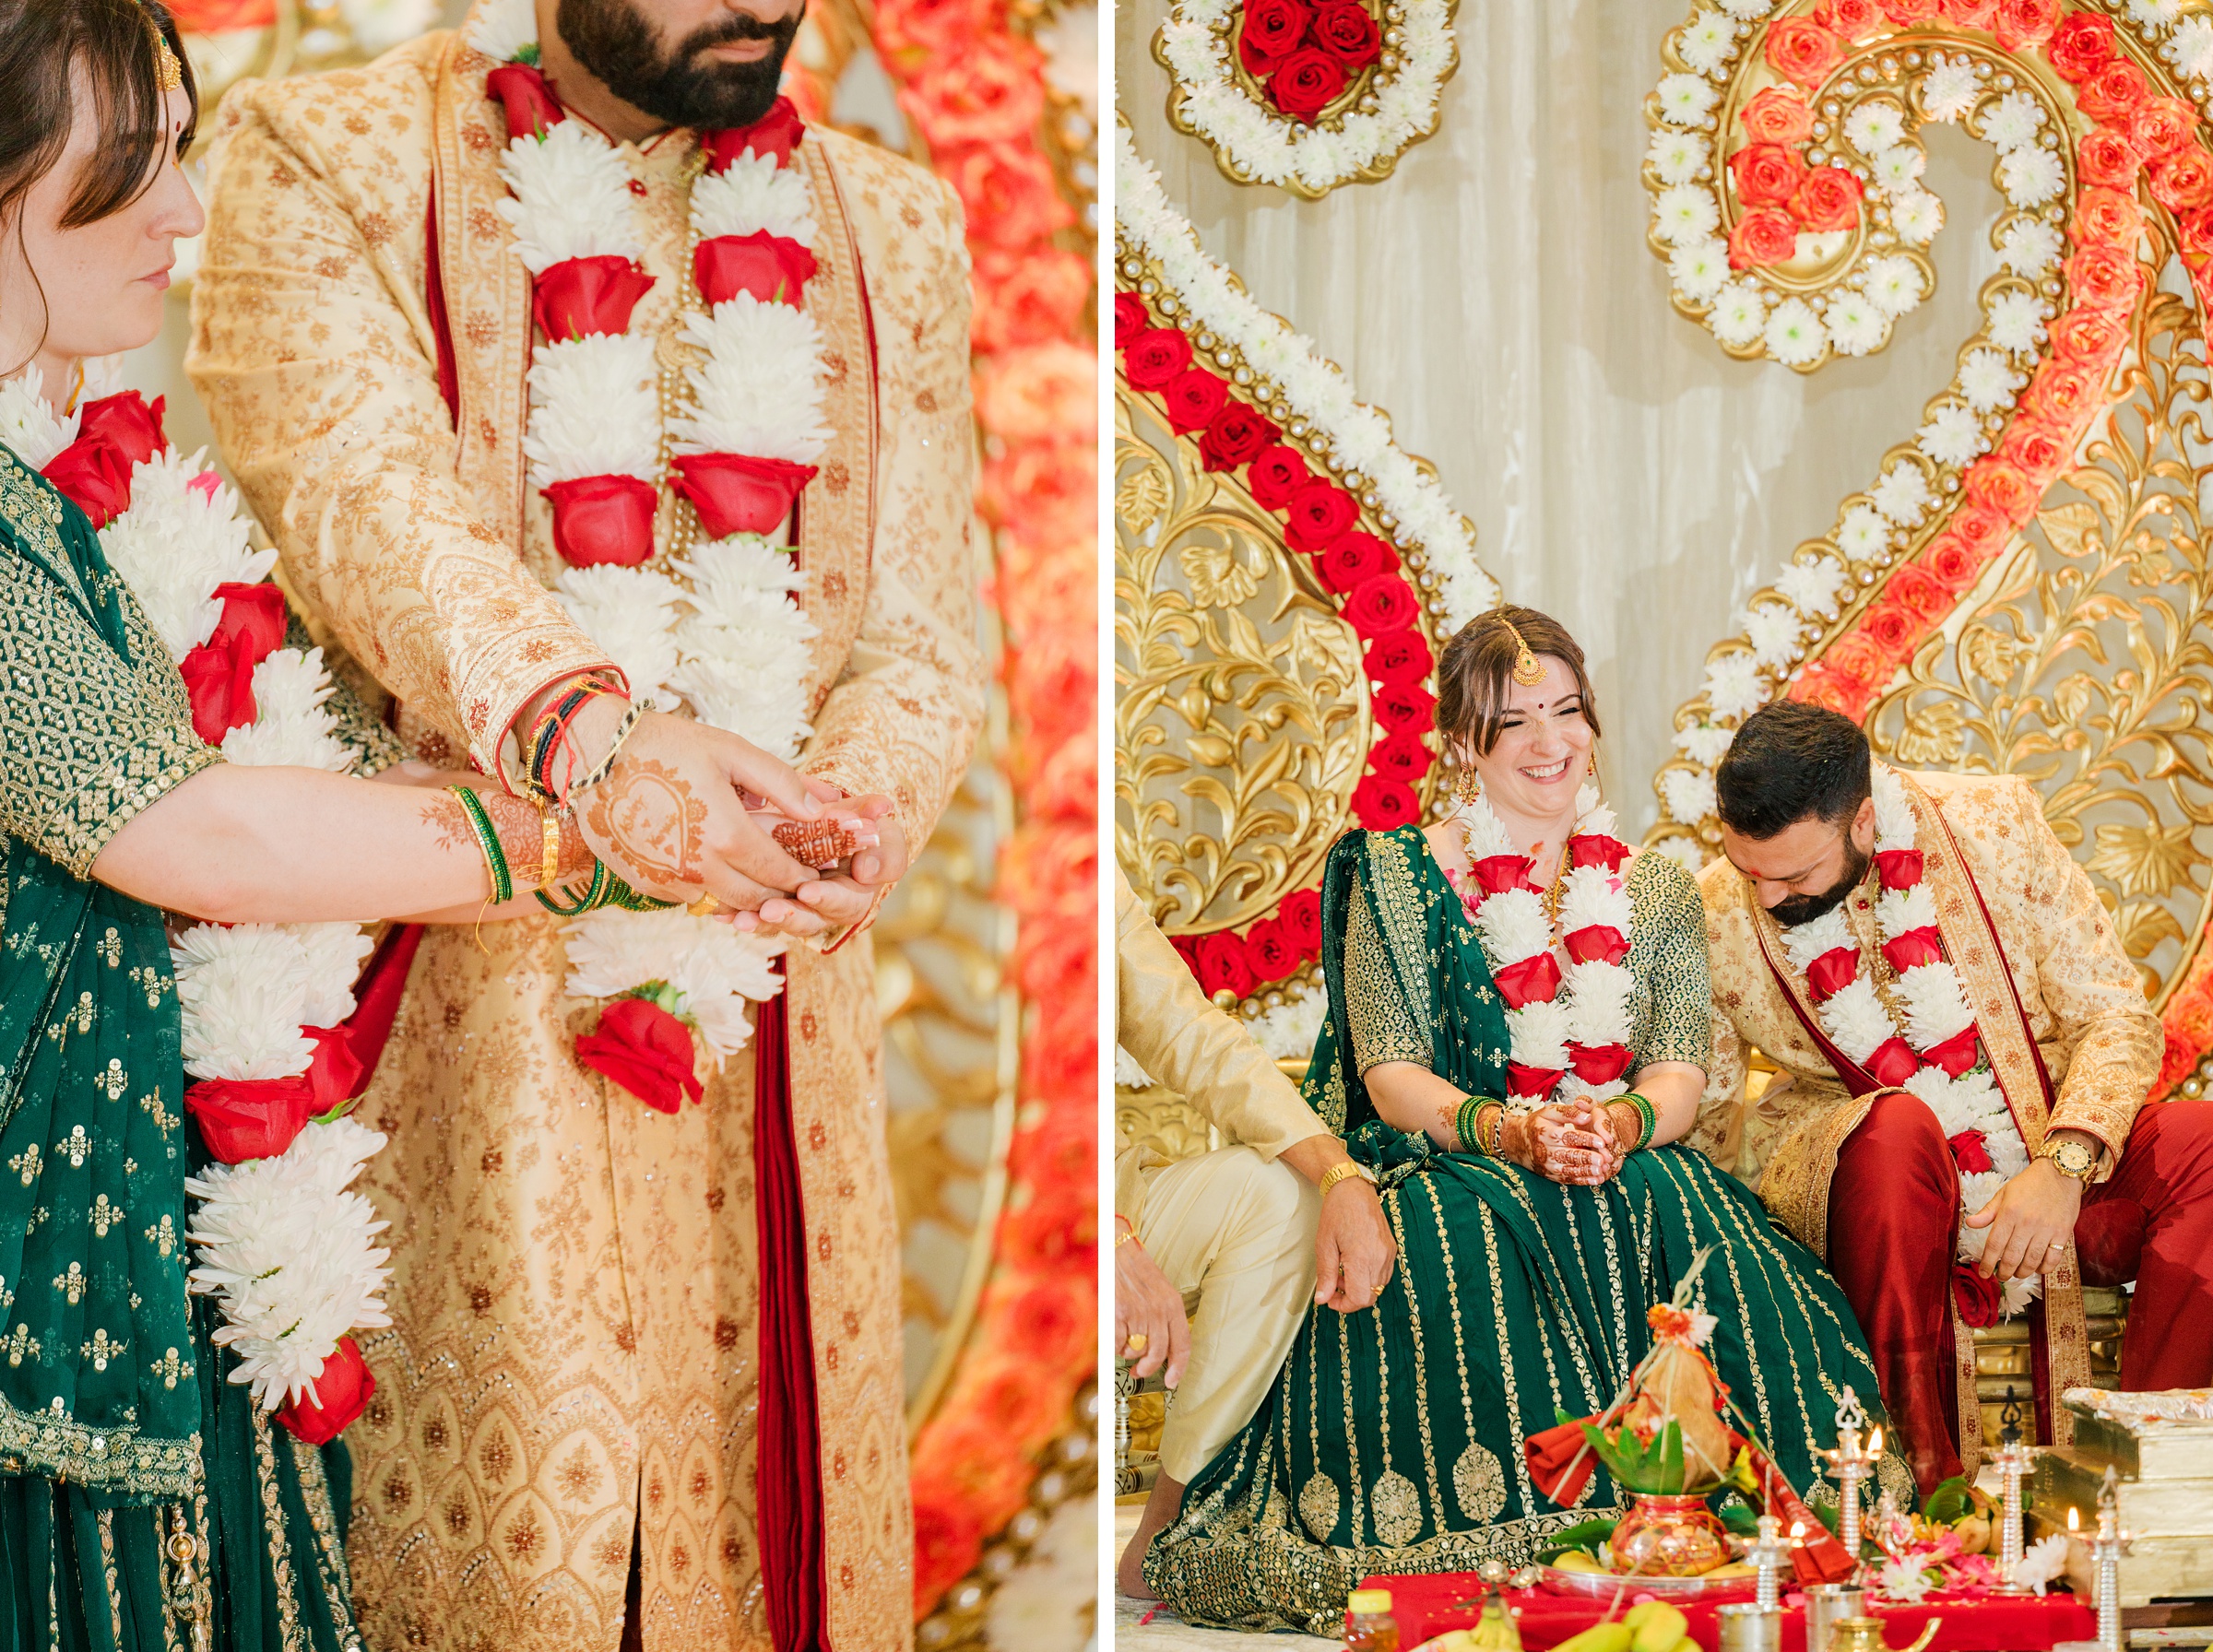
[(646, 814), (523, 840), (821, 844)]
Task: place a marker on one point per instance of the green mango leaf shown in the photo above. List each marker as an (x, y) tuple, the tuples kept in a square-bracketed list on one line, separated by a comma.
[(1948, 1503), (1671, 1458), (1739, 1518)]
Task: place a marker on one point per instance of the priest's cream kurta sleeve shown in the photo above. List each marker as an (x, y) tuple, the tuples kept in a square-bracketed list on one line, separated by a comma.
[(313, 350)]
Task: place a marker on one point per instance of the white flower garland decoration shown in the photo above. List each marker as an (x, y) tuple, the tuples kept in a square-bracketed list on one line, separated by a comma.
[(731, 640), (1588, 1009), (1267, 147), (1858, 1020), (283, 1244), (1412, 508)]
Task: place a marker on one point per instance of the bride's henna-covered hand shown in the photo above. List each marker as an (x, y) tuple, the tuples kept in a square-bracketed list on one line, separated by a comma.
[(1559, 1143)]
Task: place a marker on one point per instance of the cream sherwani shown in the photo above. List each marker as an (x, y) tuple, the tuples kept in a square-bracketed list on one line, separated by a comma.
[(575, 1302), (1233, 1229)]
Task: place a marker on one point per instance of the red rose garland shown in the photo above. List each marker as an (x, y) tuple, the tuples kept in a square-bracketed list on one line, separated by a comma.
[(1306, 56)]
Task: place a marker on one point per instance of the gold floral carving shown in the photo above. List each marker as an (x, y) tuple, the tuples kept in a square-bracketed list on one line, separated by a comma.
[(1242, 721)]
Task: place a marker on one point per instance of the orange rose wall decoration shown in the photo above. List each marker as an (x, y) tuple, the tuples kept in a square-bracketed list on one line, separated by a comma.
[(974, 86)]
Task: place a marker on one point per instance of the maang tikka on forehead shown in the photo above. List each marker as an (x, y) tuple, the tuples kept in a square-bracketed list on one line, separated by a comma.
[(1527, 671), (168, 72)]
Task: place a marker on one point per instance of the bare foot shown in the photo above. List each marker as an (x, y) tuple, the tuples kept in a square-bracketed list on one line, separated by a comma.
[(1161, 1509)]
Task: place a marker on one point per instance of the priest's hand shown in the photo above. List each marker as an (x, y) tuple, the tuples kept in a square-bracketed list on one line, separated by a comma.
[(669, 818), (1150, 1329), (2030, 1220), (821, 903)]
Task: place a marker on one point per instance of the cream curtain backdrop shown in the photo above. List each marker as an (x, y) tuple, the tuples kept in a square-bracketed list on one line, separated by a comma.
[(1495, 296)]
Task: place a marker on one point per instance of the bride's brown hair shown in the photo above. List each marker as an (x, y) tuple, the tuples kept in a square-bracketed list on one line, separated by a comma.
[(119, 46), (1476, 671)]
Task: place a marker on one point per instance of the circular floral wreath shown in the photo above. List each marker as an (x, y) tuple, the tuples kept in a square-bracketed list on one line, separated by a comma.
[(1308, 94)]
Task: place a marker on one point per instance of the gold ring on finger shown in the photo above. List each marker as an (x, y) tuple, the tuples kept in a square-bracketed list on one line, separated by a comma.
[(1136, 1342), (706, 905)]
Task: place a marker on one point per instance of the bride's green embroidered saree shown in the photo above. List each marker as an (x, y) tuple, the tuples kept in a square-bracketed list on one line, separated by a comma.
[(1391, 1441), (145, 1505)]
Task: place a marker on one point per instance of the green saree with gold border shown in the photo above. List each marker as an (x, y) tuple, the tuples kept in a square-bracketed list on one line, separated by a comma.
[(1391, 1441), (145, 1505)]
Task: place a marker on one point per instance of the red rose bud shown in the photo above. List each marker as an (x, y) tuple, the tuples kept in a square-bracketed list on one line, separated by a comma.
[(1223, 966), (1275, 474), (1382, 804), (1531, 1081), (1533, 981), (645, 1050), (219, 674), (1596, 849), (1306, 83), (249, 1118), (774, 268), (93, 476), (1893, 1063), (1402, 657), (1237, 435), (1155, 356), (1318, 513), (1600, 1063), (527, 97), (126, 424), (1898, 869), (1300, 915), (1129, 318), (342, 1391), (1956, 1055), (1498, 873), (1353, 557), (778, 133), (1970, 1152), (1915, 948), (734, 494), (334, 1077), (579, 296), (1403, 706), (601, 519), (1976, 1297), (1833, 971), (1192, 398), (1596, 943)]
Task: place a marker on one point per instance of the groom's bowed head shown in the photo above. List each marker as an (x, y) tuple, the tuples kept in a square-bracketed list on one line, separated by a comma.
[(1798, 806)]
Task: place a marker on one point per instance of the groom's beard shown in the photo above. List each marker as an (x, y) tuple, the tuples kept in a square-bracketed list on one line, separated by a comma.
[(620, 45), (1794, 910)]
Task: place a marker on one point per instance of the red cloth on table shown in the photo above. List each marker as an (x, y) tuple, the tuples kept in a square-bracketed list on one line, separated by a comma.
[(1894, 1223), (2029, 1624), (794, 1573)]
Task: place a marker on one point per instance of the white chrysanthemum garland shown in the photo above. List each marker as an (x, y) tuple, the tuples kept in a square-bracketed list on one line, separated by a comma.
[(282, 1245), (1553, 1018), (1270, 147), (730, 640), (1859, 1020), (1345, 435)]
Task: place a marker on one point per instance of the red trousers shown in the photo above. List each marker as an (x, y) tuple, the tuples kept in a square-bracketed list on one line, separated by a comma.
[(1894, 1225)]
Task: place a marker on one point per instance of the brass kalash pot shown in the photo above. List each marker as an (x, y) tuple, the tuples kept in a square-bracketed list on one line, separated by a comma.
[(1865, 1634)]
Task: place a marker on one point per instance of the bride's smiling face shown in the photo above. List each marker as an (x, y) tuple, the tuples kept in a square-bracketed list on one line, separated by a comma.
[(1543, 751), (72, 291)]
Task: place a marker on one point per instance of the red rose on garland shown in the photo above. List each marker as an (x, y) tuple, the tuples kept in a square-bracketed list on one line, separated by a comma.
[(1976, 1297), (125, 422), (2183, 181), (2022, 23), (1778, 115), (776, 134), (736, 493), (1353, 557), (580, 297), (1269, 953), (775, 269), (1223, 966), (1192, 398), (2106, 157), (1271, 32), (648, 1051), (1382, 804), (1344, 29), (1766, 174), (1316, 514), (1401, 705), (1155, 357), (2160, 125), (1403, 757), (1275, 474), (2113, 94), (1300, 915), (1800, 49), (1970, 1152), (1129, 319), (1768, 236), (343, 1388), (1237, 434), (1380, 604), (1889, 627), (526, 99), (603, 519), (1399, 657), (241, 1120), (2080, 47), (1306, 83), (1826, 200)]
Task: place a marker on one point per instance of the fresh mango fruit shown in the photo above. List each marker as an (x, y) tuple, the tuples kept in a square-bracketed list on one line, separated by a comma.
[(1599, 1637), (1575, 1560), (1687, 1644), (1660, 1629)]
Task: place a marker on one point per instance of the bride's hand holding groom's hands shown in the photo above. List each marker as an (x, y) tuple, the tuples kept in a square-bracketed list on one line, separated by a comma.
[(1569, 1142)]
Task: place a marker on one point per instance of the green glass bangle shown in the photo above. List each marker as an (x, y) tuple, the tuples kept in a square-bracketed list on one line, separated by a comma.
[(1463, 1124), (1651, 1119), (488, 840), (593, 896), (620, 893)]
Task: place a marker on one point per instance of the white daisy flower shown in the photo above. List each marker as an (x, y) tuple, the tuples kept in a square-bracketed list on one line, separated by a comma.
[(2031, 177), (29, 425), (1699, 269), (1855, 325), (1795, 333), (2193, 43), (1703, 743), (1987, 380), (1811, 586), (1902, 496), (1684, 851), (1685, 213), (2030, 246), (1514, 925), (1899, 167), (1687, 794), (1953, 435), (1733, 687), (1675, 156), (1874, 126), (1916, 214), (1739, 313), (2013, 122), (1774, 628), (1685, 99), (1862, 532), (1707, 41), (1949, 90), (1893, 284), (2041, 1562), (2015, 322)]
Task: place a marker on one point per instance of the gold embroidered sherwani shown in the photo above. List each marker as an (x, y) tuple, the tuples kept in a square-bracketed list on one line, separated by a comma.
[(575, 1295)]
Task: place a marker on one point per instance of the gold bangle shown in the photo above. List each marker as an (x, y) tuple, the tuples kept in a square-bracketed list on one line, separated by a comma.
[(1345, 1172), (1127, 1233), (549, 822)]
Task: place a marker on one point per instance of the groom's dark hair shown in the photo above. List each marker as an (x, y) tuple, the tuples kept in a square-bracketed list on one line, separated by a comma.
[(1792, 761)]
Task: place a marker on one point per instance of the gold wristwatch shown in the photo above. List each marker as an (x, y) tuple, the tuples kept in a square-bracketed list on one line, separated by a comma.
[(2071, 1157), (1339, 1172)]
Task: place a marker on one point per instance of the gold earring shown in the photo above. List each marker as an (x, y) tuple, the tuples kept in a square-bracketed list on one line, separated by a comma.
[(1467, 785)]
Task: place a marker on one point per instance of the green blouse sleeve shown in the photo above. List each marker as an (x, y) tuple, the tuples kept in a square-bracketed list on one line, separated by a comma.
[(1382, 1027), (88, 739), (1667, 954)]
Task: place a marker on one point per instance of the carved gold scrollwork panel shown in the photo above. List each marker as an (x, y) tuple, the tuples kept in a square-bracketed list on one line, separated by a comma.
[(1242, 721), (2083, 661)]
